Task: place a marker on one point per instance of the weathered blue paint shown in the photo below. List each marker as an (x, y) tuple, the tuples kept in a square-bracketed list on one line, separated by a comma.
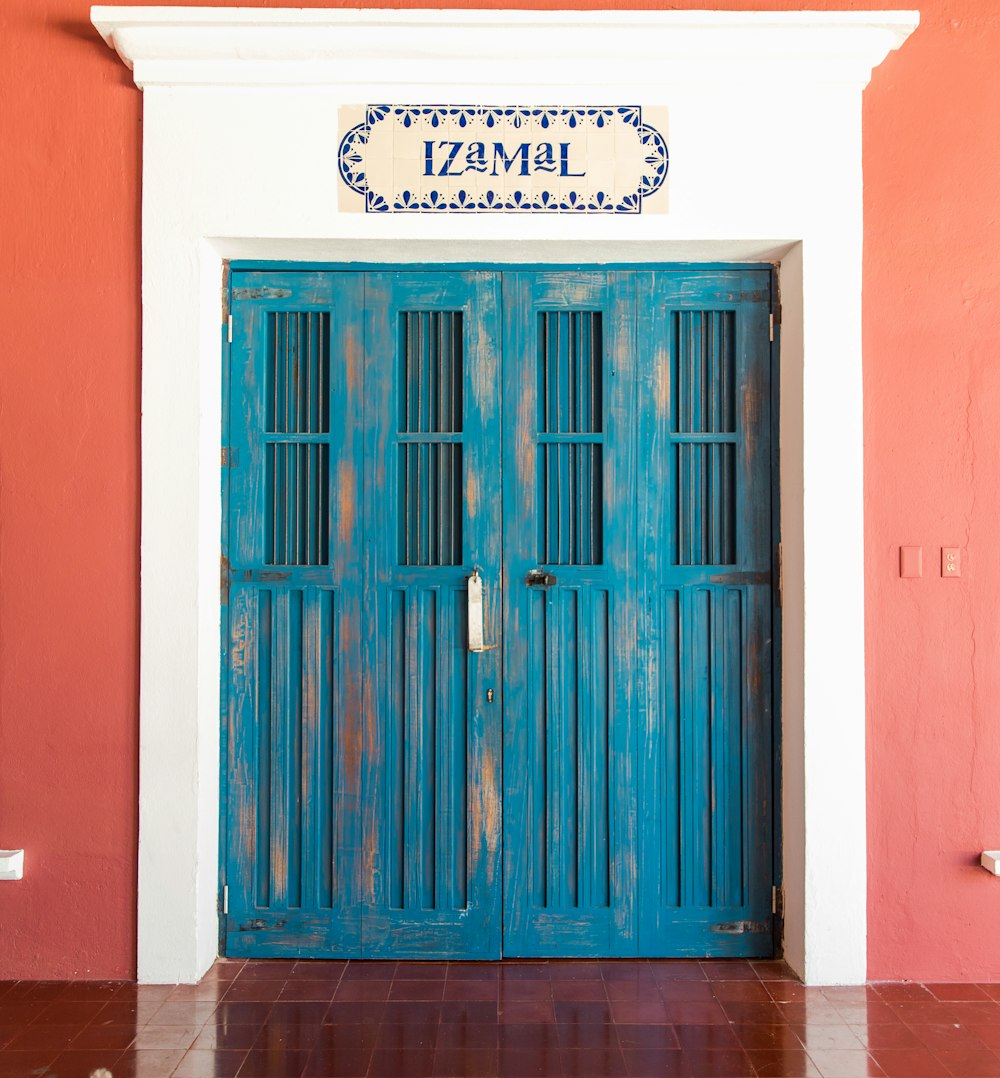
[(294, 850), (704, 628), (569, 817), (630, 720), (432, 748)]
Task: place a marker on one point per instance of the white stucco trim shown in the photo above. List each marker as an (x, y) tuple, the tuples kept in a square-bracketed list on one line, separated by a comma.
[(252, 47), (240, 162)]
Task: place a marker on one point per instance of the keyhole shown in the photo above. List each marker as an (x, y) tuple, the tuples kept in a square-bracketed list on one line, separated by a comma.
[(489, 696)]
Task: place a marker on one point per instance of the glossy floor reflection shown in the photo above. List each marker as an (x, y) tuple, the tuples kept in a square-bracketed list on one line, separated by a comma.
[(635, 1019)]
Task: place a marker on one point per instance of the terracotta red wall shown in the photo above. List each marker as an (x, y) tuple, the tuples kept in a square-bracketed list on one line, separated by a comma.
[(932, 478), (69, 455), (69, 489)]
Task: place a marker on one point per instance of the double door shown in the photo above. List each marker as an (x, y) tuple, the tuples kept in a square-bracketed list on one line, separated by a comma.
[(498, 608)]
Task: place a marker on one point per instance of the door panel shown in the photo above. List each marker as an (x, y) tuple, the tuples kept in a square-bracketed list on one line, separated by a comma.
[(705, 554), (568, 466), (433, 740), (294, 693)]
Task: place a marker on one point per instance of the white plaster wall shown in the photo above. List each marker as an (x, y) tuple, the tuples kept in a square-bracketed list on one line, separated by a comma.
[(759, 170)]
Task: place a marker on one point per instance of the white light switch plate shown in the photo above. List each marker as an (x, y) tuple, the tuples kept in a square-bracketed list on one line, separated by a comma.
[(11, 864)]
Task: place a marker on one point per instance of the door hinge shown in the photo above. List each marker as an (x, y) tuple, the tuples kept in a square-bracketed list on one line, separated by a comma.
[(225, 289), (229, 457), (229, 329), (225, 899), (780, 574), (225, 576), (778, 918), (773, 319)]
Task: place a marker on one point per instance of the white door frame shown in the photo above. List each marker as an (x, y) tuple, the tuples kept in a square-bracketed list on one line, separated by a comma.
[(239, 161)]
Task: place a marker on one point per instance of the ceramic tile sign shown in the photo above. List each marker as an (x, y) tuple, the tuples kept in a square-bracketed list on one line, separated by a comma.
[(501, 159)]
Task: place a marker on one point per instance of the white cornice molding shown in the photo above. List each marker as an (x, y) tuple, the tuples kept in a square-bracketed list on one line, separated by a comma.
[(183, 46)]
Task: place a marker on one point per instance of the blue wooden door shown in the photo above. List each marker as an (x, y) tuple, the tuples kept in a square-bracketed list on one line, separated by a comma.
[(703, 661), (569, 792), (364, 738), (295, 599), (433, 732), (593, 446), (637, 532)]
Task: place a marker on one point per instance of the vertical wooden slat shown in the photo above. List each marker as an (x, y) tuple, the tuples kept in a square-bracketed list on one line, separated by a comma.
[(601, 628), (546, 504), (538, 749), (286, 374), (265, 720), (281, 701), (295, 762), (411, 749), (582, 672), (439, 426), (729, 757), (397, 657), (418, 507), (272, 373), (698, 827), (573, 319), (444, 764), (426, 720), (460, 751), (552, 791), (571, 504), (418, 362), (300, 368), (669, 731), (458, 516), (403, 504), (597, 556), (309, 528), (310, 425), (270, 506), (288, 452), (319, 795), (323, 512), (569, 822)]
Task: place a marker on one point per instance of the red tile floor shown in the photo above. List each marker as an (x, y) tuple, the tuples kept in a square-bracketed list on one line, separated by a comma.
[(635, 1019)]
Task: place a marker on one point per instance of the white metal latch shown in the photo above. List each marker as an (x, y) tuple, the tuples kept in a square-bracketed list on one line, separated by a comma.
[(476, 600), (476, 612)]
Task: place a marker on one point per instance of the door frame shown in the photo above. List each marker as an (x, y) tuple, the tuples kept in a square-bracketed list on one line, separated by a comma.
[(219, 96), (264, 266)]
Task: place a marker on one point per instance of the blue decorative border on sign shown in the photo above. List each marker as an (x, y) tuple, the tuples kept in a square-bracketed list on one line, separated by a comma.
[(351, 159)]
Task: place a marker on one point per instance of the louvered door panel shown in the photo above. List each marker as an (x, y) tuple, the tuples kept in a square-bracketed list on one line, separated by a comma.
[(569, 749), (705, 616), (426, 750), (432, 737), (568, 462), (293, 862)]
